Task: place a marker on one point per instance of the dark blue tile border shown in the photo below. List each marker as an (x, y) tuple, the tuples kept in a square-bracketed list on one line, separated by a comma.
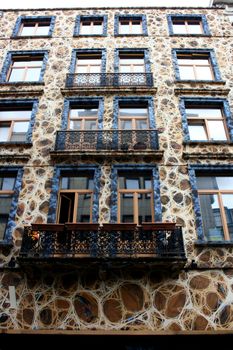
[(55, 188), (209, 52), (136, 16), (75, 52), (18, 172), (205, 101), (135, 168), (130, 51), (24, 19), (21, 103), (79, 19), (203, 169), (202, 18), (11, 54)]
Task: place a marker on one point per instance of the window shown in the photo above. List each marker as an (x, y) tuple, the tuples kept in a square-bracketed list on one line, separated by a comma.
[(88, 63), (7, 184), (194, 25), (24, 67), (216, 204), (199, 65), (91, 25), (133, 118), (34, 26), (17, 120), (130, 25), (132, 63), (83, 117)]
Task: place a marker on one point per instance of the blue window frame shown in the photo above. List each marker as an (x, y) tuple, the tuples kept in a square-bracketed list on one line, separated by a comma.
[(11, 179), (144, 53), (223, 108), (89, 22), (139, 169), (18, 105), (188, 25), (194, 56), (39, 26), (212, 179), (135, 25), (24, 56), (68, 171)]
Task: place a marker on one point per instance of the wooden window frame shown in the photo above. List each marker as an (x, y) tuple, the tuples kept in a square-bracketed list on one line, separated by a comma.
[(130, 22), (23, 59), (92, 25), (12, 121), (219, 194), (187, 22), (82, 119), (204, 121), (134, 120), (131, 65), (34, 24), (194, 66), (88, 56)]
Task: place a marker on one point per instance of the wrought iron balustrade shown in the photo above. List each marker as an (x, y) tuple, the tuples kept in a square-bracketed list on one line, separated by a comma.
[(109, 79), (154, 240), (109, 140)]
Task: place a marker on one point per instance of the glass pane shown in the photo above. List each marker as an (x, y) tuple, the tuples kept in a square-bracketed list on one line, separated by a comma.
[(132, 184), (211, 217), (141, 124), (228, 208), (132, 60), (133, 112), (186, 73), (124, 28), (204, 112), (75, 124), (144, 208), (90, 124), (28, 30), (147, 184), (179, 28), (17, 74), (95, 69), (42, 30), (197, 132), (75, 183), (34, 63), (85, 28), (33, 74), (81, 69), (7, 183), (4, 132), (126, 124), (204, 73), (194, 28), (138, 68), (81, 113), (126, 208), (136, 28), (84, 208), (217, 130), (14, 115), (19, 131), (98, 28), (5, 203), (214, 182)]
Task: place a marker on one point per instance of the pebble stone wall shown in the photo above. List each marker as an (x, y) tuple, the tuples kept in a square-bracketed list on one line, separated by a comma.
[(199, 297)]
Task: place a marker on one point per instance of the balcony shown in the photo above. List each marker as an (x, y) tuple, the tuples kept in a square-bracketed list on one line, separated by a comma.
[(155, 243), (88, 80)]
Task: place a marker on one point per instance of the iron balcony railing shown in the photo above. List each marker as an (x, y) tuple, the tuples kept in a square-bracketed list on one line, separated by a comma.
[(111, 140), (156, 240), (109, 79)]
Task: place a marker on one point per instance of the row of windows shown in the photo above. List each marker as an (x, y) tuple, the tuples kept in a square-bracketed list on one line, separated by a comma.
[(202, 119), (27, 66), (133, 200), (124, 25)]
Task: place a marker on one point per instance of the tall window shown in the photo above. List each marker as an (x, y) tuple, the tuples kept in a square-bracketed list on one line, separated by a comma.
[(194, 66), (34, 28), (133, 118), (216, 202), (7, 184), (130, 26), (14, 123), (132, 63), (206, 123), (75, 198), (135, 199), (83, 117), (88, 63), (25, 68), (91, 26), (187, 26)]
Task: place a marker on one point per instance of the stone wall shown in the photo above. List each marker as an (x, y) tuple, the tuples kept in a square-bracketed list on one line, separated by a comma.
[(194, 300)]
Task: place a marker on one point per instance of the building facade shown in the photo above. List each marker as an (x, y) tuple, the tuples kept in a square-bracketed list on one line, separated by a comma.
[(116, 172)]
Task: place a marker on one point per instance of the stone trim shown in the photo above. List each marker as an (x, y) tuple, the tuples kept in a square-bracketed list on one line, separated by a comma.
[(68, 102), (205, 101), (205, 169), (132, 50), (94, 17), (202, 18), (137, 16), (55, 188), (23, 19), (75, 52), (209, 52), (18, 171), (21, 103), (132, 168), (8, 60)]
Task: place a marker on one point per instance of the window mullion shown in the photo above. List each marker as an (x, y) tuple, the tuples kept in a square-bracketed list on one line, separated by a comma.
[(75, 206), (135, 209), (223, 215)]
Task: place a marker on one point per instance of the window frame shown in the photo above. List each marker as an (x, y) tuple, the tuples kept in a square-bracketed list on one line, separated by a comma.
[(18, 54), (209, 53), (18, 172), (37, 19), (139, 17), (205, 170), (80, 19), (201, 18), (132, 52), (8, 104), (214, 102), (88, 52)]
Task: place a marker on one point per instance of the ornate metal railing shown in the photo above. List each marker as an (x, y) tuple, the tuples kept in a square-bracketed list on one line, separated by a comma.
[(112, 140), (156, 240), (109, 79)]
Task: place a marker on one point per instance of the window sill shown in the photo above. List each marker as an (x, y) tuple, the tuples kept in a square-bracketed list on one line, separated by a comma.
[(190, 35), (31, 37), (139, 34), (223, 244), (23, 83), (212, 82), (89, 35), (207, 143), (15, 144)]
